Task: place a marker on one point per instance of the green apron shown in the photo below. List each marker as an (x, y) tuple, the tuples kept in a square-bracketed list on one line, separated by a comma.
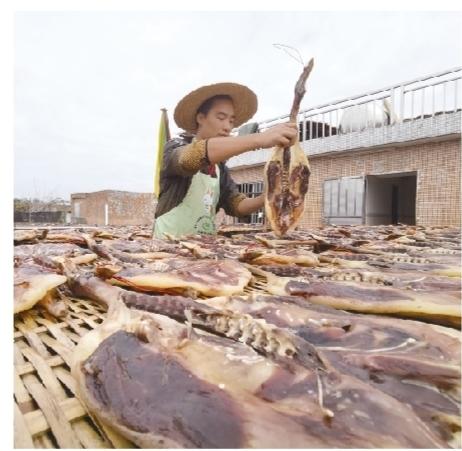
[(196, 213)]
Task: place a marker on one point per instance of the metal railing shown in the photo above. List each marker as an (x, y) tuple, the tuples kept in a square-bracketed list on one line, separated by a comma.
[(428, 96)]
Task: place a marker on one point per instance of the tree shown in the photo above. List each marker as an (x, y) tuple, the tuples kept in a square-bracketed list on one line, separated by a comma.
[(34, 205), (23, 205)]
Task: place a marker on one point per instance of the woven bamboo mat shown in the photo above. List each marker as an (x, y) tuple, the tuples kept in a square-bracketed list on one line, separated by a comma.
[(47, 413)]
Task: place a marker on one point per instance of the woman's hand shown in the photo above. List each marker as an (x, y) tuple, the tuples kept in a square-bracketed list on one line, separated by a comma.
[(222, 148), (282, 135)]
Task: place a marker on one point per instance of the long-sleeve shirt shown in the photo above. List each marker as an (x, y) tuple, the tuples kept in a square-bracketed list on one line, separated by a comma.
[(184, 157)]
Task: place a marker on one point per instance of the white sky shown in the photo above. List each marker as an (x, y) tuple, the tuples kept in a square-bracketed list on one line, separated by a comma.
[(89, 85)]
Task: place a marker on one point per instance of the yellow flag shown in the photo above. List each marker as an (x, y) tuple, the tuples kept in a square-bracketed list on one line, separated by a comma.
[(164, 136)]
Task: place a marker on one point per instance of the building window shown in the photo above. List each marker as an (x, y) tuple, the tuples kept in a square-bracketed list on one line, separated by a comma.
[(76, 209), (343, 200), (252, 189)]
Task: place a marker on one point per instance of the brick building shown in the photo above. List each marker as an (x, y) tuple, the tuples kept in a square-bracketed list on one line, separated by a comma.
[(387, 156), (111, 207)]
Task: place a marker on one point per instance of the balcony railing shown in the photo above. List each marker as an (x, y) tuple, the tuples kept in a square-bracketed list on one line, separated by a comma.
[(424, 108), (417, 99)]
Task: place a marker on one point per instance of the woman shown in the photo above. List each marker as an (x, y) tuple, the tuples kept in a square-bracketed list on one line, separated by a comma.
[(194, 180)]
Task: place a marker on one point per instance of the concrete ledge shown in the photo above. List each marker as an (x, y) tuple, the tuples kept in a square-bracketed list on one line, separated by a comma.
[(405, 133)]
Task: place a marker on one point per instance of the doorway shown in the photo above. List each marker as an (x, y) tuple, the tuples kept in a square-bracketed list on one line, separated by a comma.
[(391, 198)]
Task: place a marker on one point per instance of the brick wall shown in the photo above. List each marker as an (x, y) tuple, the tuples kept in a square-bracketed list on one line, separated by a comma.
[(441, 127), (438, 177), (123, 208)]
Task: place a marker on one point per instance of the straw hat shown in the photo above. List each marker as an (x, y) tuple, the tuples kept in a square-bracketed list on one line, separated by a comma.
[(244, 100)]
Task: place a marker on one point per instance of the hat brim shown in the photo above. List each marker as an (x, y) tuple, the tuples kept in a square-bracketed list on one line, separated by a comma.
[(244, 100)]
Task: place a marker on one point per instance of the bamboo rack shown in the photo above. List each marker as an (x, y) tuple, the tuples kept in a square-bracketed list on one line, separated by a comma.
[(47, 413)]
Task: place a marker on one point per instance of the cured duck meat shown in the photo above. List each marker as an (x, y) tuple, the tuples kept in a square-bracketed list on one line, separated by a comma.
[(217, 250), (51, 250), (330, 273), (66, 237), (104, 234), (36, 284), (355, 261), (149, 249), (443, 308), (287, 174), (426, 283), (141, 233), (256, 333), (132, 252), (419, 362), (378, 257), (127, 232), (188, 276), (402, 280), (281, 256), (208, 246), (37, 275), (157, 384), (230, 230), (429, 268), (414, 362), (288, 270), (416, 281), (289, 241), (28, 236)]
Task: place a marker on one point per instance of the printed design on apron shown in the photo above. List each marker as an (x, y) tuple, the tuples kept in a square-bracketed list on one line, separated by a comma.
[(205, 223), (207, 201)]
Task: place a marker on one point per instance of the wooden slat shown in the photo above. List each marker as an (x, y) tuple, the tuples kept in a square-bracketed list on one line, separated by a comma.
[(57, 333), (31, 319), (56, 417), (27, 368), (73, 336), (88, 435), (28, 319), (83, 314), (45, 373), (86, 313), (43, 382), (38, 329), (74, 324), (66, 378), (89, 320), (47, 316), (18, 357), (20, 393), (76, 308), (44, 441), (22, 435), (59, 348), (34, 340), (74, 411), (37, 422), (117, 440)]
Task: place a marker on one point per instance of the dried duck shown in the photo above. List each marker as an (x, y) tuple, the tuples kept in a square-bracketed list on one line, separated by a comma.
[(287, 174), (161, 384), (37, 284), (181, 275), (441, 307)]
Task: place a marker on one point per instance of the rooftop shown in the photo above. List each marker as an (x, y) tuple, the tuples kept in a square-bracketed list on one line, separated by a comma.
[(426, 108)]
